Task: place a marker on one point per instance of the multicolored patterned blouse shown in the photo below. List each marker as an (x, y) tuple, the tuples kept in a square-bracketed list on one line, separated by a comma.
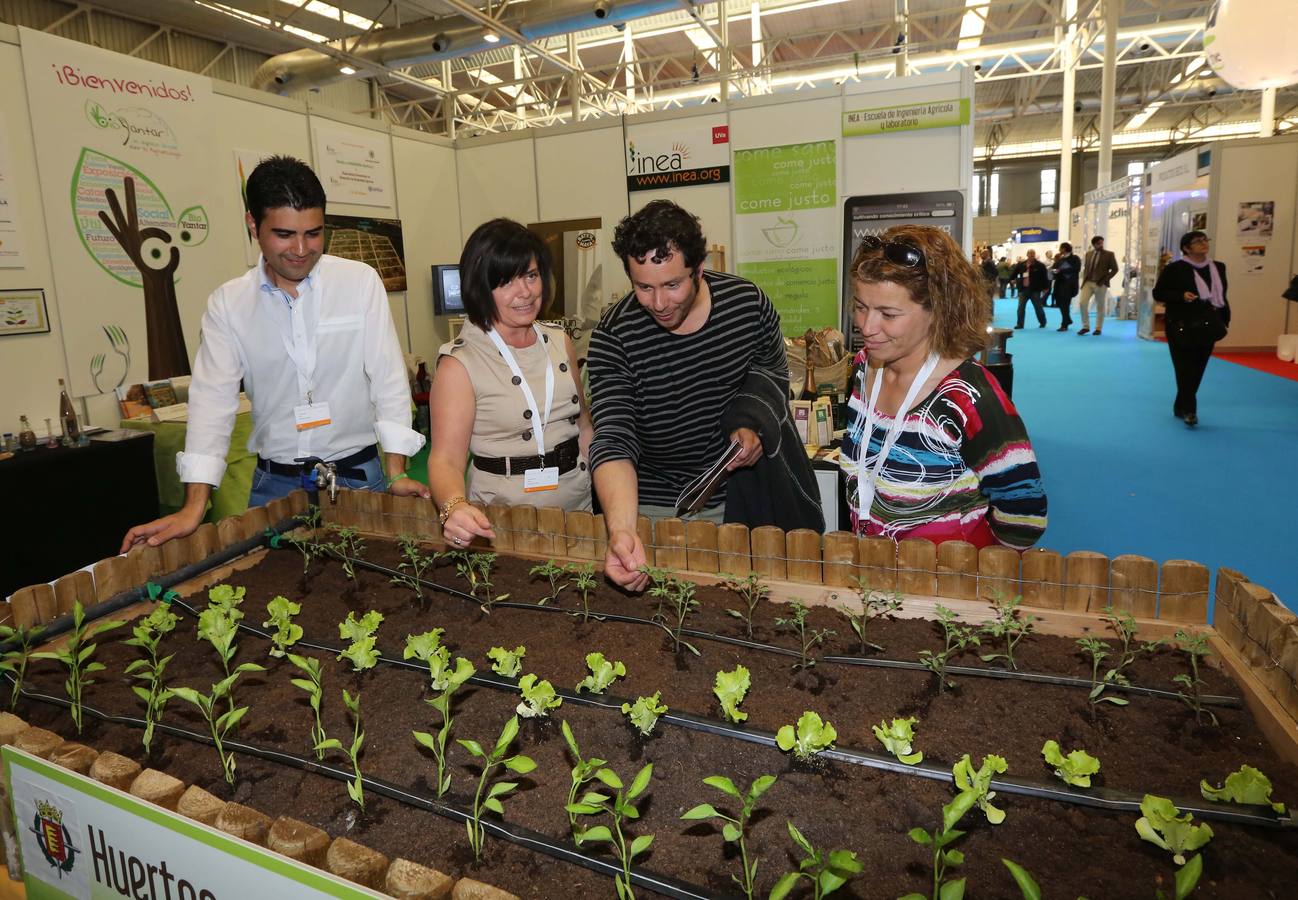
[(962, 467)]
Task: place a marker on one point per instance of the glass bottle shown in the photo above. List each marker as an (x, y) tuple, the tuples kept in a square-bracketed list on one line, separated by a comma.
[(50, 439), (26, 437), (68, 418)]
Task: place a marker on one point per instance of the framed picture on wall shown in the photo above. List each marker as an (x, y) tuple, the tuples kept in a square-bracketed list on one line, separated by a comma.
[(23, 312)]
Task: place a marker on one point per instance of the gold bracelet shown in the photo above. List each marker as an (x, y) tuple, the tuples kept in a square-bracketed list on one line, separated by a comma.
[(445, 512)]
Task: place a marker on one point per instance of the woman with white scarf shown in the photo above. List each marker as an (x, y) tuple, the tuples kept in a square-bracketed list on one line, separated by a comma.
[(1193, 290)]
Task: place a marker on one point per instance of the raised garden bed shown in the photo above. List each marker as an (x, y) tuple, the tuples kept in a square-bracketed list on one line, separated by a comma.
[(865, 804)]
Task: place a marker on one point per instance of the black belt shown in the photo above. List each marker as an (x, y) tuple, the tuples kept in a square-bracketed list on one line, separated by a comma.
[(347, 467), (564, 456)]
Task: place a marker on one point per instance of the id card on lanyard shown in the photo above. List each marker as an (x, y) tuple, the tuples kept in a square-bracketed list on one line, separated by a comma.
[(541, 478), (867, 484)]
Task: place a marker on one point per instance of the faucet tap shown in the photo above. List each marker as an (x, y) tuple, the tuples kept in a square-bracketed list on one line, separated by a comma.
[(327, 478)]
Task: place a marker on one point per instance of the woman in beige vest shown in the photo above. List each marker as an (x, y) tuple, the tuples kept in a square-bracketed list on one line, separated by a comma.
[(507, 391)]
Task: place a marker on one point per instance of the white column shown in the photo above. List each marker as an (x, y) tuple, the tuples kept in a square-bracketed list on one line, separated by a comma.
[(1108, 86), (1064, 196), (519, 109), (759, 48), (723, 32), (574, 80), (903, 11), (448, 101), (1266, 118), (628, 55)]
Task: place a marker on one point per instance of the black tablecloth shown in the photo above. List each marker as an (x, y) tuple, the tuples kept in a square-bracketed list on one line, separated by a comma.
[(65, 508)]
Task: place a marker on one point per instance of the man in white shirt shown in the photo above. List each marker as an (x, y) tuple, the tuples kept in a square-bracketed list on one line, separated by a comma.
[(311, 338)]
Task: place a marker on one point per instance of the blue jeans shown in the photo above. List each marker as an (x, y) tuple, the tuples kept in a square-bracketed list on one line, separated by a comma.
[(267, 486)]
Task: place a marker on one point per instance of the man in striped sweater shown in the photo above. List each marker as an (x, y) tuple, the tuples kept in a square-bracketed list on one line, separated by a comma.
[(665, 361)]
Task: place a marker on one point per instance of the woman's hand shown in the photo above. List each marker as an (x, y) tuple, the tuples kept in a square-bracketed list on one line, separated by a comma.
[(465, 523), (1189, 296)]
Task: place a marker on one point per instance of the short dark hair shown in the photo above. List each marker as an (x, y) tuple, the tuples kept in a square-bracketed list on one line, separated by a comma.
[(280, 181), (658, 230), (494, 255), (1065, 246), (1098, 239), (1190, 237)]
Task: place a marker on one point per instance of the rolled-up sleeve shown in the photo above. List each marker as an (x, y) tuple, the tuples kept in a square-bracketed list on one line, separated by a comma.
[(385, 368), (213, 399)]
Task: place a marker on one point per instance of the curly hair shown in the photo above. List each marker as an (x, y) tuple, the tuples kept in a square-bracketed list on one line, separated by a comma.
[(947, 285), (658, 230)]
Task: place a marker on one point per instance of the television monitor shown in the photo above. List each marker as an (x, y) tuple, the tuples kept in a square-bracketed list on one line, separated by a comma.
[(446, 291)]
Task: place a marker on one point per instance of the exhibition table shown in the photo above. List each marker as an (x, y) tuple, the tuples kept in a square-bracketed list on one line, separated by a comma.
[(231, 497)]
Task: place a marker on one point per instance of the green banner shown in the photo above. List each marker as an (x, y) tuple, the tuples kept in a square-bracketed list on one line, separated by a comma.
[(805, 291), (907, 117), (786, 178)]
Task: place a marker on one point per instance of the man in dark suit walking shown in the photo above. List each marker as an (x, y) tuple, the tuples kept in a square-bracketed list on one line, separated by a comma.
[(1034, 282), (1098, 270)]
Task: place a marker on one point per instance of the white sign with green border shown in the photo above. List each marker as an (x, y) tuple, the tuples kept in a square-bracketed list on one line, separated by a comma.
[(79, 838), (907, 117)]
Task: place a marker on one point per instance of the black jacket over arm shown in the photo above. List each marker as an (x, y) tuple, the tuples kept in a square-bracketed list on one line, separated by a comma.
[(1176, 280)]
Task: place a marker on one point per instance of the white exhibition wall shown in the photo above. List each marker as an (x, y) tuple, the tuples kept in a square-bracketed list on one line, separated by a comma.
[(444, 189)]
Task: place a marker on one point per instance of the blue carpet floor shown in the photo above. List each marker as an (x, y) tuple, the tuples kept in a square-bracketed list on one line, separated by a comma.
[(1124, 476)]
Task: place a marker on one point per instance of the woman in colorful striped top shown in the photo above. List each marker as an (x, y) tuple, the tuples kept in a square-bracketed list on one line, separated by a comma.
[(934, 448)]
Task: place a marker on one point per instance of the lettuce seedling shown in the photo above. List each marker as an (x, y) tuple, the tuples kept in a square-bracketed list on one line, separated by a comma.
[(807, 638), (356, 787), (752, 591), (221, 725), (147, 634), (519, 764), (896, 739), (16, 657), (735, 826), (313, 684), (874, 605), (349, 548), (619, 808), (644, 712), (218, 624), (940, 839), (682, 601), (956, 639), (730, 688), (1195, 647), (552, 572), (583, 771), (281, 611), (538, 697), (507, 662), (1099, 651), (809, 737), (361, 652), (978, 782), (827, 872), (602, 674), (1008, 626), (446, 681), (1076, 768), (1159, 824), (1248, 785), (584, 582), (428, 649), (660, 589), (414, 562), (76, 656)]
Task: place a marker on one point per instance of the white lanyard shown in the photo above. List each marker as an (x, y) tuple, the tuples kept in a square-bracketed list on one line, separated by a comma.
[(538, 423), (304, 355), (866, 487)]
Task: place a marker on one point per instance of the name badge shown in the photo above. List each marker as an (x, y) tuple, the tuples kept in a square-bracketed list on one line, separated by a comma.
[(311, 415), (541, 479)]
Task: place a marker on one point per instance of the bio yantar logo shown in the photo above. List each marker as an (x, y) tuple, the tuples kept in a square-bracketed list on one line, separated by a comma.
[(649, 163), (53, 837)]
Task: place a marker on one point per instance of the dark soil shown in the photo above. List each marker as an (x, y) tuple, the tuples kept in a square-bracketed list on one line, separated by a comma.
[(1152, 745)]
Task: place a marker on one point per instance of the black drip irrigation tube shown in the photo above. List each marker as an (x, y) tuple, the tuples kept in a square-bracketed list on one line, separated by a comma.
[(910, 665), (1098, 798)]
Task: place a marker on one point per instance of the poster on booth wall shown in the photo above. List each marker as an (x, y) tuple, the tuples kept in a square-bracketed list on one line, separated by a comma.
[(81, 839), (376, 242), (125, 173), (786, 229), (11, 244), (677, 154), (354, 165), (1255, 220)]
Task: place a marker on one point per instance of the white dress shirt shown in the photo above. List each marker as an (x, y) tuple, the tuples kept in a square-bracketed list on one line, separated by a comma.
[(333, 343)]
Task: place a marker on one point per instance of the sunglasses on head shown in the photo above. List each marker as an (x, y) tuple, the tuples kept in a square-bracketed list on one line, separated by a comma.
[(896, 252)]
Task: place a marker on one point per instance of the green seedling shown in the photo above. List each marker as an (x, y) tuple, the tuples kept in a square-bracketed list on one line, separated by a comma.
[(309, 544), (1248, 785), (730, 688), (807, 637), (146, 635), (583, 772), (475, 568), (660, 589), (620, 809), (428, 649), (218, 624), (1195, 647), (827, 872), (602, 674), (1159, 824), (808, 738), (20, 640), (356, 787), (1099, 651), (583, 579), (1009, 626), (221, 725), (940, 839), (644, 712), (446, 682), (539, 697), (1076, 768), (349, 548), (1023, 878), (281, 611), (897, 739), (492, 760), (752, 591), (956, 638), (552, 572), (313, 684), (1124, 626), (414, 563), (735, 826), (77, 655), (681, 598), (507, 662), (978, 783), (360, 633), (874, 605)]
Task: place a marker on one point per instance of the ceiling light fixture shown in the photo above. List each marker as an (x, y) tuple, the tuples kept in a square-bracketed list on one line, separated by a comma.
[(347, 70), (490, 36)]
